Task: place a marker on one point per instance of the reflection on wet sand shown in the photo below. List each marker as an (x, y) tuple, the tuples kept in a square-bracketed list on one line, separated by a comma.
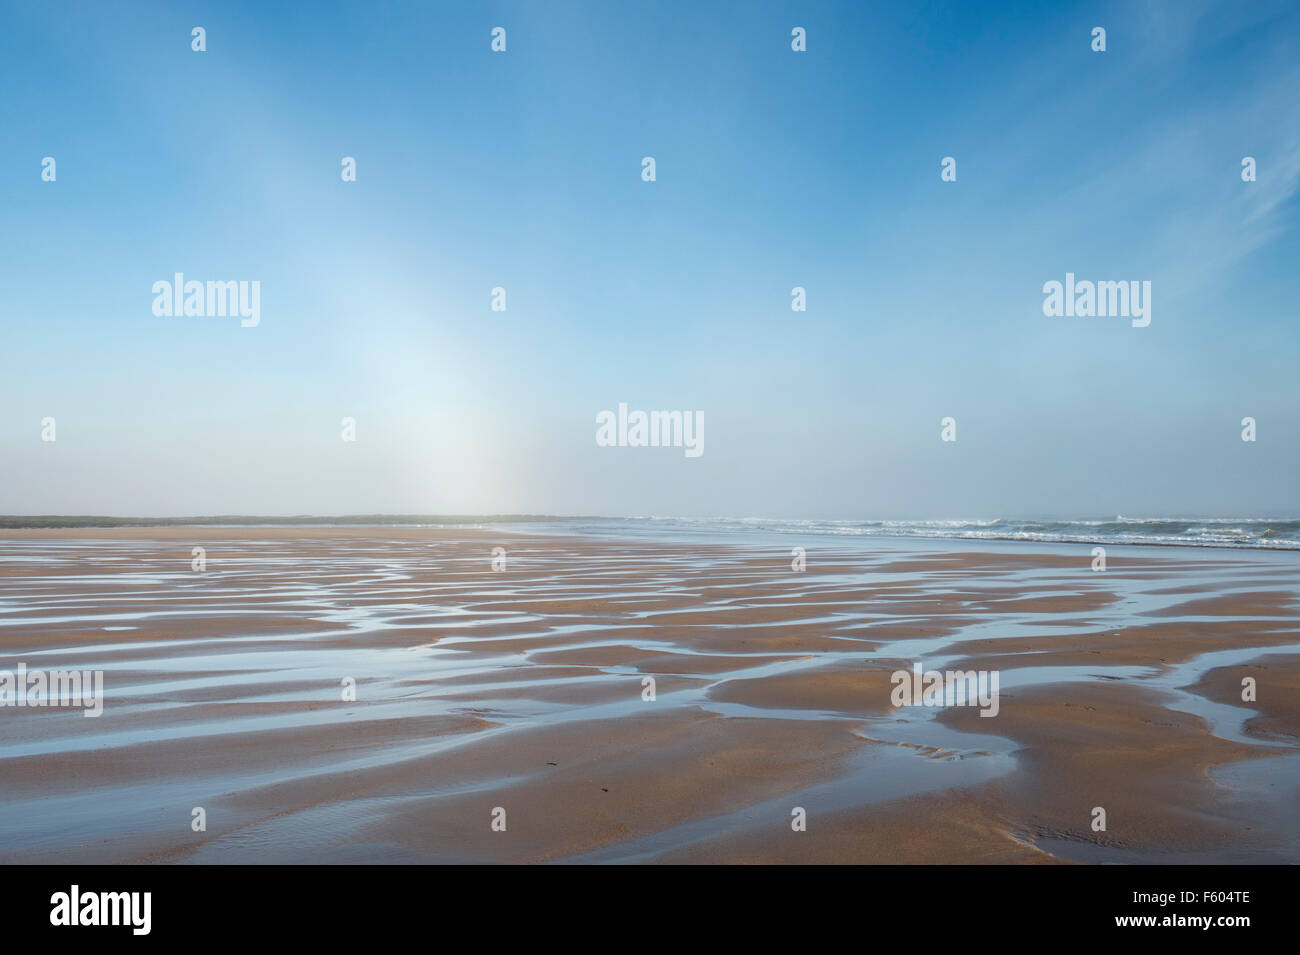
[(526, 689)]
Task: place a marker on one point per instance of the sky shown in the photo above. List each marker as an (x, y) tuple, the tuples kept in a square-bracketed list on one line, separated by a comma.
[(774, 169)]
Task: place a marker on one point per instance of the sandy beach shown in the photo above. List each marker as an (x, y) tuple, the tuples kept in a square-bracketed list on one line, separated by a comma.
[(524, 689)]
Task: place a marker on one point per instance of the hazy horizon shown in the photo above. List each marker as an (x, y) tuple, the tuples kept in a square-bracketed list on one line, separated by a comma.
[(501, 516)]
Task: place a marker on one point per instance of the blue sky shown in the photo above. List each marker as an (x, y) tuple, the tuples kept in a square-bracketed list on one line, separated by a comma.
[(775, 169)]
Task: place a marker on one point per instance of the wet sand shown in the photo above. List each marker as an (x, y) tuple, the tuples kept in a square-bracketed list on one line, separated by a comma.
[(525, 690)]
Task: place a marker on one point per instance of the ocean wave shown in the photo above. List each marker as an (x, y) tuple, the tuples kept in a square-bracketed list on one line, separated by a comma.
[(1254, 532)]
